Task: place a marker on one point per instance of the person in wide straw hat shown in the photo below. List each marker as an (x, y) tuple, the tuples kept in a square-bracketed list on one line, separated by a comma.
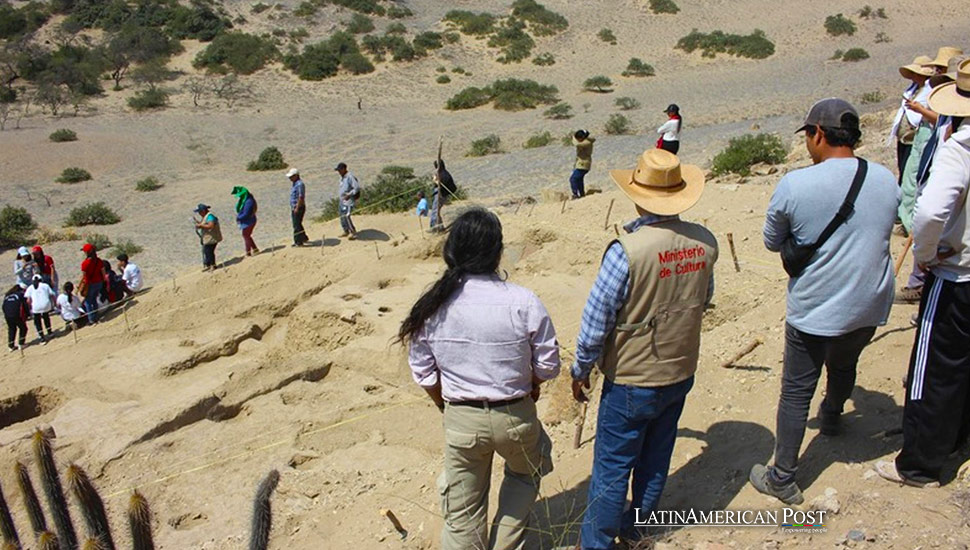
[(934, 418), (642, 325), (908, 119), (942, 59)]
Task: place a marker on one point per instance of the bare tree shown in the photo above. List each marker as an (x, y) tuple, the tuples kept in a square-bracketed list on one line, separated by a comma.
[(24, 111), (51, 96), (5, 110), (78, 101), (230, 89), (197, 86)]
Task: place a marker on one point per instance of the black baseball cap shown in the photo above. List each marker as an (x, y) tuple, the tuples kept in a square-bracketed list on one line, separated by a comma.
[(341, 166), (828, 113)]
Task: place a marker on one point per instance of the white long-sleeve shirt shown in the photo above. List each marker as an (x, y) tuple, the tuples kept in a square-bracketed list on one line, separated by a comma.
[(941, 223), (920, 95), (670, 130), (132, 277)]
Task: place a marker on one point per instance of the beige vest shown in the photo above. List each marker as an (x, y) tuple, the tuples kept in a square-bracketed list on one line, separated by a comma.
[(658, 332)]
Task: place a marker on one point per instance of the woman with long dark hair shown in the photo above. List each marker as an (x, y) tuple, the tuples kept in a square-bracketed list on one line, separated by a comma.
[(670, 130), (480, 347)]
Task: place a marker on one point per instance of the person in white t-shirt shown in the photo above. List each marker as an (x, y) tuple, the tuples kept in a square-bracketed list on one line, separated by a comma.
[(40, 297), (130, 274), (670, 130), (70, 306)]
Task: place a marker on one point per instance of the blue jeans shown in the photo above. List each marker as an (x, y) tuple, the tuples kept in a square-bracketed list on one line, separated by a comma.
[(577, 182), (635, 433), (345, 222), (91, 301)]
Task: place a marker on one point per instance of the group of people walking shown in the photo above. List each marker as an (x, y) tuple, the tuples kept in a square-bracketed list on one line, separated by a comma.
[(34, 295), (482, 347)]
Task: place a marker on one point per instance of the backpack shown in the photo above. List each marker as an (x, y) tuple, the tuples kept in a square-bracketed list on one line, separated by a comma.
[(356, 194)]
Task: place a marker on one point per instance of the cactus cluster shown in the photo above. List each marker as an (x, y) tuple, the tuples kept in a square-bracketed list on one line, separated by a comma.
[(89, 502)]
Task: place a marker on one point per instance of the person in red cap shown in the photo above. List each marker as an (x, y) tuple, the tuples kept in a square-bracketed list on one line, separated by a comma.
[(92, 281), (45, 266)]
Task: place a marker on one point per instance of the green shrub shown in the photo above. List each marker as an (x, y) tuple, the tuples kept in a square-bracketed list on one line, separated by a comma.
[(73, 175), (125, 246), (150, 183), (606, 35), (269, 159), (617, 125), (882, 38), (197, 21), (399, 12), (441, 69), (152, 98), (371, 7), (663, 6), (488, 145), (98, 240), (469, 98), (538, 140), (428, 40), (458, 70), (19, 22), (95, 213), (451, 37), (324, 59), (870, 98), (559, 111), (393, 190), (305, 9), (443, 79), (745, 151), (599, 84), (544, 59), (513, 42), (837, 56), (508, 95), (237, 52), (855, 54), (837, 25), (636, 67), (475, 24), (356, 63), (512, 94), (15, 225), (299, 34), (360, 24), (755, 45), (396, 28), (259, 7), (627, 103), (542, 21), (62, 135), (867, 12)]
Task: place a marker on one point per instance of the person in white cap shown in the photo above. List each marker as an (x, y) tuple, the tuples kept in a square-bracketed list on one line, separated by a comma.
[(24, 267), (935, 423), (297, 207), (832, 223), (40, 298)]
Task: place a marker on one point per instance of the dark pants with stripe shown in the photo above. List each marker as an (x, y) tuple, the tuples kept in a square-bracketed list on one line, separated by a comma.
[(902, 155), (935, 418)]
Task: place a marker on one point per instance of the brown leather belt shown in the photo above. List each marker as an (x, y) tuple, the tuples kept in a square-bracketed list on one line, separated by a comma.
[(486, 404)]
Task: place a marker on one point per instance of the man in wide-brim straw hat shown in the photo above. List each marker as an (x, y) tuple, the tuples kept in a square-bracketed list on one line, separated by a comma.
[(938, 384), (642, 323), (942, 59)]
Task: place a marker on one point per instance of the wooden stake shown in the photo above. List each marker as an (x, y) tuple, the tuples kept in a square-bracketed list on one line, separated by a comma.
[(606, 222), (517, 206), (531, 209), (125, 311), (323, 244), (395, 523), (74, 330), (563, 209), (739, 355), (734, 255), (578, 437), (377, 250), (616, 230), (173, 284), (902, 257)]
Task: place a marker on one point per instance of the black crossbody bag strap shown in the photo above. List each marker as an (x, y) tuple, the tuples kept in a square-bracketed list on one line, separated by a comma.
[(848, 205)]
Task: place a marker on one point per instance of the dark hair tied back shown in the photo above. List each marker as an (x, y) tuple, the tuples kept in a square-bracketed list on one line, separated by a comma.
[(474, 247)]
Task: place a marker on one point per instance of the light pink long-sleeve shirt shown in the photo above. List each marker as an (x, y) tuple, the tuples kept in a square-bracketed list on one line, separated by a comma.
[(485, 343)]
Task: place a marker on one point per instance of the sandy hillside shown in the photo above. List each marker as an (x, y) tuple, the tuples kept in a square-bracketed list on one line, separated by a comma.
[(284, 362)]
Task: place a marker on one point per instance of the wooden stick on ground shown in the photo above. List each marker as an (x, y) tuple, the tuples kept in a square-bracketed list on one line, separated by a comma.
[(578, 438), (563, 209), (606, 222), (734, 255), (533, 207), (377, 250), (902, 257), (616, 230), (740, 355), (395, 522)]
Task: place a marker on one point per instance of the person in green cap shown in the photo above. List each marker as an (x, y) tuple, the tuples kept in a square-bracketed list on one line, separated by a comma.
[(246, 217)]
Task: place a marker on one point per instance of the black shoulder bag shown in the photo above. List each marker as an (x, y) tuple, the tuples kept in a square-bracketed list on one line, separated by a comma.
[(795, 258)]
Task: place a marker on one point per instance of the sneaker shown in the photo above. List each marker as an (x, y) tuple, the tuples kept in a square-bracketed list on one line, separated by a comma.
[(829, 424), (12, 349), (909, 295), (43, 342), (887, 470), (760, 480)]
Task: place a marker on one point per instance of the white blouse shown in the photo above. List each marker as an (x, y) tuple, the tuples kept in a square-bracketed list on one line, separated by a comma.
[(670, 130)]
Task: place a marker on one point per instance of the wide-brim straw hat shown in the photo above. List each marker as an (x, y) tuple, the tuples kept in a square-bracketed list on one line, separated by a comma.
[(951, 73), (943, 56), (953, 99), (919, 66), (660, 184)]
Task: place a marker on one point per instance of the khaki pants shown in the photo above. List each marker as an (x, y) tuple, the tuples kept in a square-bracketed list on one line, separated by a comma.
[(472, 435)]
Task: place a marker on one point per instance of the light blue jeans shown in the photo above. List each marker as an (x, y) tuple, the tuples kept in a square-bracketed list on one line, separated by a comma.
[(345, 222)]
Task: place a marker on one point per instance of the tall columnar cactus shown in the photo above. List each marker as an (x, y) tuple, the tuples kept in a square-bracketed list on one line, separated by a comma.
[(7, 528), (48, 541), (92, 507), (262, 513), (140, 522), (36, 514), (54, 491)]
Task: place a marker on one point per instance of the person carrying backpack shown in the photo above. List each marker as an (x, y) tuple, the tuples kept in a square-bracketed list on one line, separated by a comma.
[(15, 313)]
